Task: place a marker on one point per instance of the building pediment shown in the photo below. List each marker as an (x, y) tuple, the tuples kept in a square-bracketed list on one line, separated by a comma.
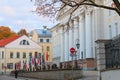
[(23, 42)]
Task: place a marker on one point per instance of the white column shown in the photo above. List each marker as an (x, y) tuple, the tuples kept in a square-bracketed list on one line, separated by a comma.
[(76, 32), (82, 35), (99, 21), (66, 43), (70, 38), (88, 35), (61, 45)]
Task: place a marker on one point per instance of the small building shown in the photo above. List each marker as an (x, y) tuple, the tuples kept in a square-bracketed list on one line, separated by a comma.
[(43, 38), (18, 52)]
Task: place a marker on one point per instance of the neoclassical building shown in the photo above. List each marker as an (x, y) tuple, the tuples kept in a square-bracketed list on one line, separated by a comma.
[(88, 26), (19, 52)]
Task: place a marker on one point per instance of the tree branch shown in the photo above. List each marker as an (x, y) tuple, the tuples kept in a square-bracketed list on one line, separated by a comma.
[(102, 6), (117, 3)]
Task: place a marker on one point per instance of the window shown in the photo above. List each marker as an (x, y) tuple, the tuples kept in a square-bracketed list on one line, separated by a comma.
[(39, 55), (11, 54), (47, 40), (116, 28), (24, 42), (18, 55), (35, 55), (48, 48), (2, 65), (41, 40), (24, 55), (110, 31), (109, 12), (30, 54), (2, 54), (10, 65)]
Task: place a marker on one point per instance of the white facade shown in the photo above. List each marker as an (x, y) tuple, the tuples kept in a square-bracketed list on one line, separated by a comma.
[(88, 24)]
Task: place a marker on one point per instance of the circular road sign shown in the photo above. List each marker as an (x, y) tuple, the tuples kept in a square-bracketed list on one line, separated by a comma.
[(72, 50)]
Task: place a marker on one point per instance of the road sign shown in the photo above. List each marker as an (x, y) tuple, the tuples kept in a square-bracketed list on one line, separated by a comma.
[(72, 55), (72, 50)]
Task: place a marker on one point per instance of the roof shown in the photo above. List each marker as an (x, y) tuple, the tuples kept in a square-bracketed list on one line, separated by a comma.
[(43, 32), (6, 41)]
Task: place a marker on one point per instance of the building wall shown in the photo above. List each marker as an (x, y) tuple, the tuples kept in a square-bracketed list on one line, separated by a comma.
[(111, 22), (36, 37), (56, 44), (45, 51), (87, 24), (8, 54), (16, 60)]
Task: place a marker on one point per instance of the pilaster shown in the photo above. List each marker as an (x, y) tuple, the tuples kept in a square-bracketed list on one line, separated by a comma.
[(100, 54)]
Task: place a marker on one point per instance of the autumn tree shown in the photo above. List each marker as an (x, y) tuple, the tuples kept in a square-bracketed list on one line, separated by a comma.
[(6, 32), (51, 7), (22, 32)]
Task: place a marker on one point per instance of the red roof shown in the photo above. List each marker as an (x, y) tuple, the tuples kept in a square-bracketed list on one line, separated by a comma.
[(4, 42)]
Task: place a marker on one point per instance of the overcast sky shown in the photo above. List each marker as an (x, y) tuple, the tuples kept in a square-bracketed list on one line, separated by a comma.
[(17, 15)]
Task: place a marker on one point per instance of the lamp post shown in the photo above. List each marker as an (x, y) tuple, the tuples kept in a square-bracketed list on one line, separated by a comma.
[(82, 63), (78, 46)]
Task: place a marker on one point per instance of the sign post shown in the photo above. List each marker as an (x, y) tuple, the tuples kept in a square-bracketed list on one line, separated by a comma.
[(72, 50)]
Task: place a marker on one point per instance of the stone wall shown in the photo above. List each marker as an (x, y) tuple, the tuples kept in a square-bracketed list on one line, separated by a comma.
[(53, 74), (110, 75)]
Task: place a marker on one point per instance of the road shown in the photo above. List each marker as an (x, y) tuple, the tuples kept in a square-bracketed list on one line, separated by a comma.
[(7, 77)]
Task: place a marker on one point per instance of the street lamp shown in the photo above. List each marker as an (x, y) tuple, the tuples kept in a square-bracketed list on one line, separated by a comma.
[(77, 43), (78, 46)]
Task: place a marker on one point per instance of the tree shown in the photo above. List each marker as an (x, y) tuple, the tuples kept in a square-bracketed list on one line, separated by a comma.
[(6, 32), (22, 32), (51, 7)]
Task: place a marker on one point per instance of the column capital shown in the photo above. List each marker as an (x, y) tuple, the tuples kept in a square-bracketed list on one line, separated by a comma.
[(76, 19), (81, 18), (88, 10), (76, 22)]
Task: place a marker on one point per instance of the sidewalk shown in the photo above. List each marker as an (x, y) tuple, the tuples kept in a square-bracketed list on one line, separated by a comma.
[(7, 77), (89, 75)]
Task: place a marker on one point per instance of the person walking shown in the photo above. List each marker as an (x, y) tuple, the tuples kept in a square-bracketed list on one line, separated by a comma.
[(16, 73)]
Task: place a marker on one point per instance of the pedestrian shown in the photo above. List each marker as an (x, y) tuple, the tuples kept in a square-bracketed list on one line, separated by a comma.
[(16, 73)]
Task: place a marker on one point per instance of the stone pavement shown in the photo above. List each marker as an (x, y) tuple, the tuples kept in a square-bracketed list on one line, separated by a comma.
[(7, 77), (89, 75)]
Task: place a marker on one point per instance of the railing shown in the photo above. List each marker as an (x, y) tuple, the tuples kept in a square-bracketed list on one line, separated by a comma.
[(112, 53)]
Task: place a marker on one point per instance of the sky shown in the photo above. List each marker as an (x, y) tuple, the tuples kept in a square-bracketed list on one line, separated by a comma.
[(17, 15)]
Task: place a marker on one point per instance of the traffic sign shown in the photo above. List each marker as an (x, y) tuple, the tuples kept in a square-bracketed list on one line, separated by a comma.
[(72, 55), (72, 50)]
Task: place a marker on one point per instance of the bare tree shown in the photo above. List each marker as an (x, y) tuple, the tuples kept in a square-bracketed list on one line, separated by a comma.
[(51, 7)]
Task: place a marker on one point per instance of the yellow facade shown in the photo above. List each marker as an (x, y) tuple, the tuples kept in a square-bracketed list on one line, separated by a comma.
[(16, 56), (15, 59), (46, 46)]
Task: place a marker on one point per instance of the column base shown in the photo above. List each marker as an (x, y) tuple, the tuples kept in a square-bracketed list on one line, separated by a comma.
[(87, 64), (90, 63)]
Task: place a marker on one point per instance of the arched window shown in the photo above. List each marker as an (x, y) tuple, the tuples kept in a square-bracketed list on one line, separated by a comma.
[(24, 42)]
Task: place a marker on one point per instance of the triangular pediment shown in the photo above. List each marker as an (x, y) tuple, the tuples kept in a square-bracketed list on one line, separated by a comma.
[(23, 42)]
